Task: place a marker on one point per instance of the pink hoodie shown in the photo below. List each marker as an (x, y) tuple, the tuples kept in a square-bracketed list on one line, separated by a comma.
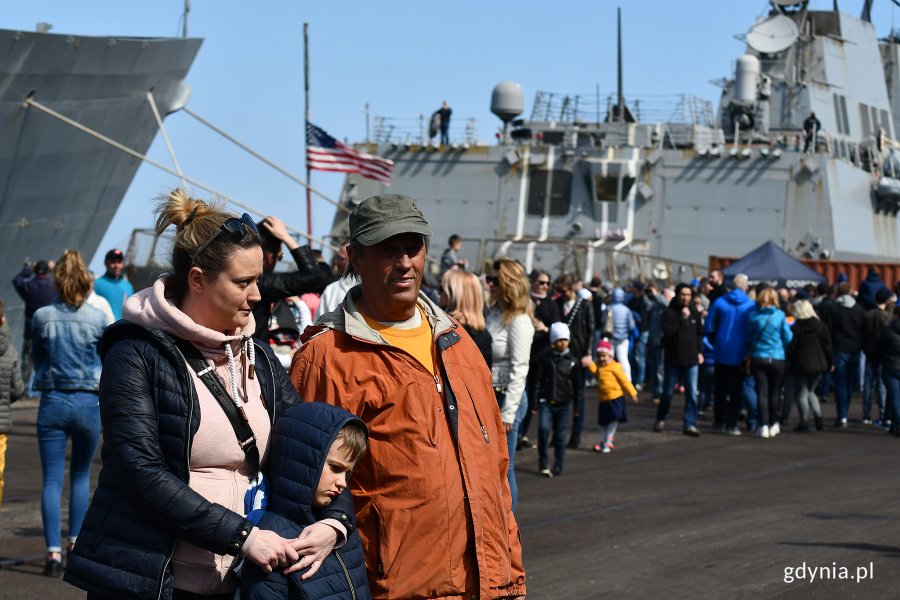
[(217, 470)]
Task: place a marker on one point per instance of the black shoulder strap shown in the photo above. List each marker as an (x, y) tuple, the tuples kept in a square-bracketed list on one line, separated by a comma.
[(236, 415)]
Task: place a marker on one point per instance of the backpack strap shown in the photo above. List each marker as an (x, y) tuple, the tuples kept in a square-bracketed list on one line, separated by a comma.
[(236, 415)]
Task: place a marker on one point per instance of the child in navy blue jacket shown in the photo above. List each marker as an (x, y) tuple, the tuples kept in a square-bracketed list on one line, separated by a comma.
[(311, 442)]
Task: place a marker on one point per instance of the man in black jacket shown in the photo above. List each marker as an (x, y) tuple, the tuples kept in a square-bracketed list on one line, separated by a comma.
[(35, 286), (845, 320), (278, 286), (682, 338), (877, 320)]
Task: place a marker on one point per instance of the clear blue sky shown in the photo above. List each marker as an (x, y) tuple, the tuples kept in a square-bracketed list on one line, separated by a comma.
[(402, 57)]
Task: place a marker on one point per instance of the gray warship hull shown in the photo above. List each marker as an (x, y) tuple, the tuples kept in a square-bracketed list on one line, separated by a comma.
[(59, 186), (620, 196)]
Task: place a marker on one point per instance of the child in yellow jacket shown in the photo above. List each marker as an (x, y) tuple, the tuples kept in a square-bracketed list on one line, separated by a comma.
[(613, 386)]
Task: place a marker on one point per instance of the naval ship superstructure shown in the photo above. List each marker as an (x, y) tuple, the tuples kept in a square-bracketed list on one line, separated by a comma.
[(609, 190), (60, 185)]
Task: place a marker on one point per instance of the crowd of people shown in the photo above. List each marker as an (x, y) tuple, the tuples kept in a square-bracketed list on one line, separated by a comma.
[(234, 400)]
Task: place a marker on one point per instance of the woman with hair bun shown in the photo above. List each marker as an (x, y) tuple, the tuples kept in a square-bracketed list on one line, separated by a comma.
[(187, 401), (67, 372)]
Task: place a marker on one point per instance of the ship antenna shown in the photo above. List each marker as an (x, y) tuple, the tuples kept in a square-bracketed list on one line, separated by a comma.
[(867, 12), (184, 26), (620, 114)]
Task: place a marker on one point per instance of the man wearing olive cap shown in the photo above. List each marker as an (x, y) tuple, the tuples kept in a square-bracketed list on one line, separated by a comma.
[(432, 497)]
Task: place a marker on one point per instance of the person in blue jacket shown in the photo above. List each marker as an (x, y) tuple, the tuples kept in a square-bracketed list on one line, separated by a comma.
[(312, 442), (623, 324), (726, 329), (768, 334)]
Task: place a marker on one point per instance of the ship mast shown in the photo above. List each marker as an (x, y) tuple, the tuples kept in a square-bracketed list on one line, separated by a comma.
[(620, 107), (184, 21)]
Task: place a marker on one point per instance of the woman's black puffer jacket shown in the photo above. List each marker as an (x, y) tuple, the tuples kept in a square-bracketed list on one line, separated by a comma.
[(809, 352), (142, 504)]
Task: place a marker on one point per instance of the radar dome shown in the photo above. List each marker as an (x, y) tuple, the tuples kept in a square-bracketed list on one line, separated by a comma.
[(507, 100)]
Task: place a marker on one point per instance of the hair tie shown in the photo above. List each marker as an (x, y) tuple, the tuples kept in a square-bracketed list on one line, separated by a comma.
[(190, 218)]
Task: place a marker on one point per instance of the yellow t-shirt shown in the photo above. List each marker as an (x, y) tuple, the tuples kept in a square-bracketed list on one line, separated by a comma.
[(418, 341)]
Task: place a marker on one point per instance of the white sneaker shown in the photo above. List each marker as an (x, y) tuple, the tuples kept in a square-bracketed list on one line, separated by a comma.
[(774, 430), (546, 472), (763, 432)]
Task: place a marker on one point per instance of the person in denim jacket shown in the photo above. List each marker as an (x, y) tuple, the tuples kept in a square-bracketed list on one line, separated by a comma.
[(67, 372)]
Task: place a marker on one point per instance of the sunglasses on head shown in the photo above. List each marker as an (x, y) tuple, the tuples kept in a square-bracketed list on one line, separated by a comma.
[(235, 227)]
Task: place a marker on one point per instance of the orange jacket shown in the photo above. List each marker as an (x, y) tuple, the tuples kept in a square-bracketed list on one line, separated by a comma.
[(419, 497)]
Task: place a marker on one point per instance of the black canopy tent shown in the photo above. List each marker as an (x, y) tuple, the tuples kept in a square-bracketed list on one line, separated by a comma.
[(770, 264)]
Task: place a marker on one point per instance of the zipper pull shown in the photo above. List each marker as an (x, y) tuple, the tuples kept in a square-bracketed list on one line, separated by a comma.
[(437, 382), (484, 433)]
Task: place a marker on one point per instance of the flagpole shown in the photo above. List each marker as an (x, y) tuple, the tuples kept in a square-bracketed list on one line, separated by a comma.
[(309, 218)]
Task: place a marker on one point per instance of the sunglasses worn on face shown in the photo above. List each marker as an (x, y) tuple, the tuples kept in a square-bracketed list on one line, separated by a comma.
[(492, 279), (542, 282), (235, 227)]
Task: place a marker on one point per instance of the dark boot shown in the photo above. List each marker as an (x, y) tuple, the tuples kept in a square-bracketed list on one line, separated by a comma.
[(820, 423), (574, 440)]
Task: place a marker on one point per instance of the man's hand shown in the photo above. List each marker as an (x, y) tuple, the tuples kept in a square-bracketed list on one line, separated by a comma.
[(685, 312), (586, 361), (268, 550), (276, 227), (314, 544)]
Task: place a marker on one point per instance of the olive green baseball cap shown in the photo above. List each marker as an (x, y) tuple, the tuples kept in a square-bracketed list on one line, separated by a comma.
[(379, 217)]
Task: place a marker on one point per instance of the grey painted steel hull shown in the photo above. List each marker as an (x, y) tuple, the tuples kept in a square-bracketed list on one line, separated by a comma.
[(60, 187), (700, 206)]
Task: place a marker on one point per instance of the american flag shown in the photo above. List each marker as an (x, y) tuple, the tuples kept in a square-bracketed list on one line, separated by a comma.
[(325, 153)]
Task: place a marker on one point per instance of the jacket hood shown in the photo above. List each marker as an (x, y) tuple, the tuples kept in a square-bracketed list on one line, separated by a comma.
[(151, 308), (302, 437), (618, 296), (348, 319), (736, 297), (847, 301)]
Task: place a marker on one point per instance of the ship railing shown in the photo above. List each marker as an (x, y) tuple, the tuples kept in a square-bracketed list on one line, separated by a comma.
[(647, 108), (579, 257), (414, 130)]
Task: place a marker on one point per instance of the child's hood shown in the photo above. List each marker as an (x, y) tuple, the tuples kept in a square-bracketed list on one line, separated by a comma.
[(301, 439)]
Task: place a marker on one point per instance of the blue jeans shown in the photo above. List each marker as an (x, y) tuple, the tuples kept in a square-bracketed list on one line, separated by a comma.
[(751, 401), (892, 384), (845, 363), (553, 418), (639, 358), (512, 439), (655, 370), (687, 375), (64, 414), (873, 381), (707, 385)]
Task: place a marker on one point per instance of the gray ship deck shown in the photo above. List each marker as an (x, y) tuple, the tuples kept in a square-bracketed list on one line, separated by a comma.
[(662, 516)]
